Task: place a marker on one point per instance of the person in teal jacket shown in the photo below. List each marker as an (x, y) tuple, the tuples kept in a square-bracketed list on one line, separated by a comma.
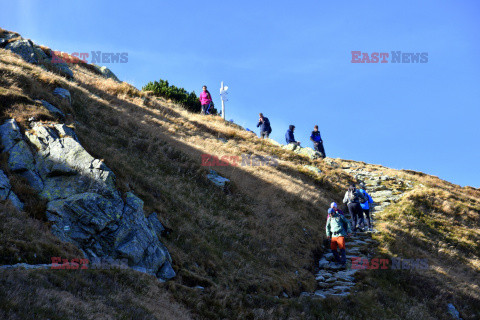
[(337, 228)]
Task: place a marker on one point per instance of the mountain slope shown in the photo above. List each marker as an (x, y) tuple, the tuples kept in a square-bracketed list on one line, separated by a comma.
[(238, 253)]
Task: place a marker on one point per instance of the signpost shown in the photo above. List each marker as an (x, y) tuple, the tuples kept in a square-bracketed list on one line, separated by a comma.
[(223, 94)]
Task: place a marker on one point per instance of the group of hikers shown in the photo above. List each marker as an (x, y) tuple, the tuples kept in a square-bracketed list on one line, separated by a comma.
[(315, 137), (264, 124), (358, 201), (338, 227)]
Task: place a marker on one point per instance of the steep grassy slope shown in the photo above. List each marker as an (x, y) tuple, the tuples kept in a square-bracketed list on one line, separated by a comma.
[(250, 245)]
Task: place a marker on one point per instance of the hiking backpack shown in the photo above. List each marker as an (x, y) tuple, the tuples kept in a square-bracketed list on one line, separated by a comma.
[(353, 196), (364, 197)]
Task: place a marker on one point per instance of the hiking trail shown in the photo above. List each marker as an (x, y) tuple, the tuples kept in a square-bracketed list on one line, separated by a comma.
[(334, 280)]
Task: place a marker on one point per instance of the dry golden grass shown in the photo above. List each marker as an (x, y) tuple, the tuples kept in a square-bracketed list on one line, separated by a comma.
[(260, 239), (85, 294)]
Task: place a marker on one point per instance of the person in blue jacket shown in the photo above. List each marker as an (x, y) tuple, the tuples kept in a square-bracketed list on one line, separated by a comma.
[(289, 137), (365, 207), (317, 141), (264, 125)]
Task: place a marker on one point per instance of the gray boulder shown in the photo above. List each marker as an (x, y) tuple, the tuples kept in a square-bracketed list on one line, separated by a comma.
[(107, 73), (24, 48), (308, 152), (217, 179), (6, 192), (64, 68), (64, 93), (10, 134), (156, 224), (20, 157), (54, 110), (40, 56), (83, 203), (313, 169)]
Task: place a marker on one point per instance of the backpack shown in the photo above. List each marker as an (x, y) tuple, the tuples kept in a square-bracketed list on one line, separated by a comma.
[(353, 196), (363, 198), (267, 124)]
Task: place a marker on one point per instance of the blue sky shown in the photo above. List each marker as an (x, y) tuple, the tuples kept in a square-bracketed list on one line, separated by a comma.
[(292, 61)]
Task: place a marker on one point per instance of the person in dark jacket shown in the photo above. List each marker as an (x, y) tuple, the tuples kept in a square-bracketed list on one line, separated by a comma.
[(289, 137), (264, 125), (352, 199), (316, 138), (365, 207)]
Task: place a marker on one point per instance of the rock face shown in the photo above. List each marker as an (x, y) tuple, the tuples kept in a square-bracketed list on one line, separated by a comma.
[(6, 192), (308, 152), (24, 48), (217, 179), (107, 73), (32, 53), (83, 202), (64, 93), (54, 110)]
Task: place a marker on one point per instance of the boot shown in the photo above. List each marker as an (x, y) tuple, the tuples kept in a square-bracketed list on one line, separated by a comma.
[(335, 254), (343, 255)]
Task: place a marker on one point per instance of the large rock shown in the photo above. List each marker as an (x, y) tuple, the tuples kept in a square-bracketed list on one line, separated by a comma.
[(6, 192), (64, 69), (24, 48), (53, 110), (20, 157), (64, 93), (83, 203), (156, 224), (313, 169), (217, 179), (10, 134), (308, 152), (107, 73)]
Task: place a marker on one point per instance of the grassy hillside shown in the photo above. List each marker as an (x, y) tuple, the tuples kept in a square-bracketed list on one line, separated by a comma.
[(238, 253)]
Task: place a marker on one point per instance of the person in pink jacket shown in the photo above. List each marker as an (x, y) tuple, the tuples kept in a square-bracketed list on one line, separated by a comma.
[(206, 100)]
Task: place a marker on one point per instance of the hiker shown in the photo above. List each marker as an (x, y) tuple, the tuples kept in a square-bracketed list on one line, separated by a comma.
[(333, 208), (337, 228), (365, 207), (264, 125), (317, 141), (206, 100), (352, 199), (289, 135)]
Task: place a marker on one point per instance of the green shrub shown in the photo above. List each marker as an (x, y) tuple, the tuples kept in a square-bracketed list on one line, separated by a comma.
[(189, 100)]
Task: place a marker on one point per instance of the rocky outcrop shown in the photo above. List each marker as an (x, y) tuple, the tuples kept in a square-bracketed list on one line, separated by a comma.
[(107, 73), (6, 192), (53, 110), (32, 53), (218, 180), (83, 203), (24, 48), (307, 152), (64, 93)]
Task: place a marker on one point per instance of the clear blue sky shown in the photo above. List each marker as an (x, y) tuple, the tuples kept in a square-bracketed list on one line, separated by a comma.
[(292, 61)]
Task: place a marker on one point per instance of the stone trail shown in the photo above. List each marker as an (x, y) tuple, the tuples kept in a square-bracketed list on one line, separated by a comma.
[(334, 280)]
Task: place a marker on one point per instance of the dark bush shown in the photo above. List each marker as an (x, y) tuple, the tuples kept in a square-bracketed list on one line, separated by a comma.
[(188, 100)]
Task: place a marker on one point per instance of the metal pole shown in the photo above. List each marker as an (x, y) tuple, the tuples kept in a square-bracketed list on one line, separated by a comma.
[(223, 103)]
